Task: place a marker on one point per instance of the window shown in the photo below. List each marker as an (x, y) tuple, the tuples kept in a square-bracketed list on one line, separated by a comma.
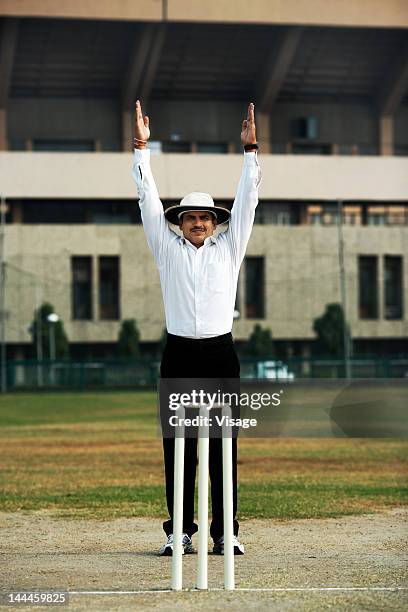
[(311, 149), (79, 212), (367, 149), (345, 149), (368, 287), (352, 214), (81, 270), (109, 288), (275, 213), (281, 218), (305, 127), (393, 287), (278, 148), (255, 287), (397, 215), (315, 218), (212, 147), (64, 145), (387, 215), (328, 214), (111, 213), (376, 215), (176, 146), (400, 150)]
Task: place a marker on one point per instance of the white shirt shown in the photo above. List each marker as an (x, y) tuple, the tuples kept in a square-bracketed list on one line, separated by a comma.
[(198, 285)]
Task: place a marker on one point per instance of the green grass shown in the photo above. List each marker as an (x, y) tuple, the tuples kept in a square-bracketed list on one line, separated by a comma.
[(58, 408), (99, 455), (311, 500), (290, 500)]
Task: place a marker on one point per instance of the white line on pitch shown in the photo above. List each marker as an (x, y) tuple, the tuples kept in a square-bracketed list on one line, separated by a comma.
[(261, 589), (324, 589), (141, 591)]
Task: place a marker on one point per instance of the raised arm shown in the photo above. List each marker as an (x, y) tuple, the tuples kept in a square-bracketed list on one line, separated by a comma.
[(155, 225), (246, 199)]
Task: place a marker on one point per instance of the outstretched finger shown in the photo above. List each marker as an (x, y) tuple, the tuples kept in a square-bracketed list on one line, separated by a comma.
[(139, 114), (251, 112)]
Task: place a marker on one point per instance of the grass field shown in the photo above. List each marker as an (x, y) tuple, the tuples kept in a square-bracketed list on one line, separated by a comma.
[(98, 455)]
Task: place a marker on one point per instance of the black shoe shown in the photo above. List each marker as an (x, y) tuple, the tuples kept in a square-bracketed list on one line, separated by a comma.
[(167, 549), (218, 548)]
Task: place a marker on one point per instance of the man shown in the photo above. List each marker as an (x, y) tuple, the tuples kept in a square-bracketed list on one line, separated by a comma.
[(198, 275)]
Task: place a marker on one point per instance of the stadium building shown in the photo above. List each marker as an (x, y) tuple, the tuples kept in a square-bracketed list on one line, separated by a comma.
[(329, 82)]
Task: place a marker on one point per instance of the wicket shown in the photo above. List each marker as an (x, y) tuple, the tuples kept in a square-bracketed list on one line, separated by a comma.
[(203, 456)]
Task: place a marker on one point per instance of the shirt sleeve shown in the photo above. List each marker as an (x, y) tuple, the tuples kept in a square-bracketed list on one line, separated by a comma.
[(243, 209), (154, 222)]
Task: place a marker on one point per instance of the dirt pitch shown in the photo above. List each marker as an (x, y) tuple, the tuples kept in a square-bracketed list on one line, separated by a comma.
[(359, 555)]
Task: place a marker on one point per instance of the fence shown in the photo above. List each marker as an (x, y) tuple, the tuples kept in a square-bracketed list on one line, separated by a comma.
[(143, 373)]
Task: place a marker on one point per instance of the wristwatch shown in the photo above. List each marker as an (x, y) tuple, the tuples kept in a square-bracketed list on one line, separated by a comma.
[(251, 147)]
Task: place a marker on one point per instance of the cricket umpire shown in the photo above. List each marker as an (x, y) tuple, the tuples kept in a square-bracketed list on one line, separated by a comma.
[(198, 276)]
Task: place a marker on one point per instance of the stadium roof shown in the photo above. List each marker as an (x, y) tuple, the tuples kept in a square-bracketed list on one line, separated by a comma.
[(95, 59)]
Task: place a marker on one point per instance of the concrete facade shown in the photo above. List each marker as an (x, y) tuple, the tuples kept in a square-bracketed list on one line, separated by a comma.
[(108, 175), (301, 277), (301, 262)]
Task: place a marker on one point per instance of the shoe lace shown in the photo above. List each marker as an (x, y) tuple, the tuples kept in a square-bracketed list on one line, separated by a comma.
[(235, 541), (186, 539)]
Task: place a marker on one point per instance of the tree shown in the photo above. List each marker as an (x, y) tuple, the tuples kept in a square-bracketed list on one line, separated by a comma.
[(260, 343), (162, 343), (330, 331), (43, 326), (129, 338)]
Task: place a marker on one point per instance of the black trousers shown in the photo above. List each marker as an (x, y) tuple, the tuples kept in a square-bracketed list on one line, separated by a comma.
[(207, 358)]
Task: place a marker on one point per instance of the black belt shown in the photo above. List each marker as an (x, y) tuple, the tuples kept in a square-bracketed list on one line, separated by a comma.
[(171, 338)]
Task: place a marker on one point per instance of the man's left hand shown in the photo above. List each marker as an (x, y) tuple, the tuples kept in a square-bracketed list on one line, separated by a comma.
[(248, 133)]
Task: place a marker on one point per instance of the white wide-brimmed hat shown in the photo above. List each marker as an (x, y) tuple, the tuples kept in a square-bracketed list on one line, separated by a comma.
[(196, 201)]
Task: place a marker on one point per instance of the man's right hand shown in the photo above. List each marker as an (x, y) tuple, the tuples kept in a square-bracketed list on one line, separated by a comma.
[(142, 132)]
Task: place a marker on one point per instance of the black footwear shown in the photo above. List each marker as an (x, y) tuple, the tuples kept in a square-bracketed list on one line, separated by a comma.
[(167, 549), (218, 548)]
